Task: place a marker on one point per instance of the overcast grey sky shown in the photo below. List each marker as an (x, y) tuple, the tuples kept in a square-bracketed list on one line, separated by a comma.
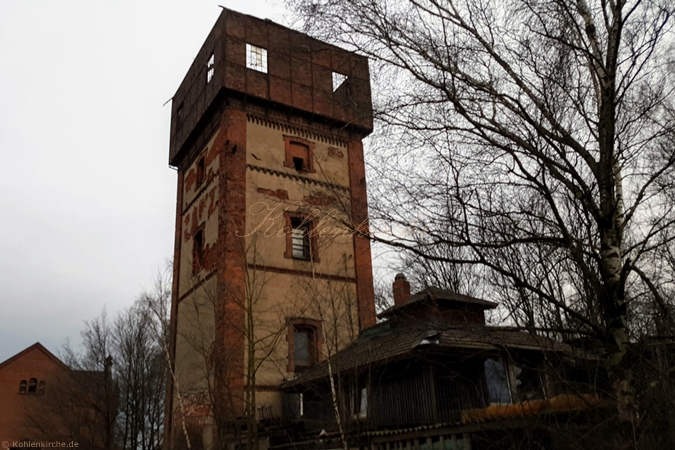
[(86, 195)]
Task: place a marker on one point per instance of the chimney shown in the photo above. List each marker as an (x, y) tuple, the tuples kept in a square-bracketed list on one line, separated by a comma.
[(401, 289)]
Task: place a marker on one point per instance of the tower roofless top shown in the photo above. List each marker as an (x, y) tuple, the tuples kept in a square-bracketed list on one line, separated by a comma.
[(261, 61)]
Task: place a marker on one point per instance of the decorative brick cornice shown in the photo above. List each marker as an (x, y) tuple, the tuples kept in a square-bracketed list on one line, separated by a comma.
[(292, 176), (323, 276), (306, 131)]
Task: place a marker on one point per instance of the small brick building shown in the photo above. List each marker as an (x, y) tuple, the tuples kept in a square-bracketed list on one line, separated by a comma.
[(42, 399), (27, 382)]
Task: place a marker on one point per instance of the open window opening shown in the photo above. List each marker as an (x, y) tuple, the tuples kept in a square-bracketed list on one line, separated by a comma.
[(298, 163), (210, 68), (497, 380), (32, 386), (256, 58), (338, 80), (529, 385), (201, 171), (299, 154)]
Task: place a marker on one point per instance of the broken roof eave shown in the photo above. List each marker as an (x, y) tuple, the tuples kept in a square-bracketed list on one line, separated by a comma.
[(402, 346)]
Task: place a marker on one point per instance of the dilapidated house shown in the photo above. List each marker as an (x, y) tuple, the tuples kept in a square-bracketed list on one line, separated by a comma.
[(432, 375)]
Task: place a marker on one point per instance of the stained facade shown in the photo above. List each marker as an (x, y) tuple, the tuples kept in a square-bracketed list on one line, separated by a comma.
[(271, 270)]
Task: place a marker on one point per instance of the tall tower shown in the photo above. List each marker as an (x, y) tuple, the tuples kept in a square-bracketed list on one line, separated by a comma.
[(269, 277)]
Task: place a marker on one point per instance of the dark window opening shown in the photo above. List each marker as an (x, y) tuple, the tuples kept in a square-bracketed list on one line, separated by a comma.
[(497, 381), (300, 247), (23, 386), (529, 384), (41, 388), (201, 171), (304, 347), (197, 250), (300, 156), (32, 386)]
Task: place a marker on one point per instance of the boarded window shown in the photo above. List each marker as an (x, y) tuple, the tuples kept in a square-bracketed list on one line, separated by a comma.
[(41, 388), (23, 386)]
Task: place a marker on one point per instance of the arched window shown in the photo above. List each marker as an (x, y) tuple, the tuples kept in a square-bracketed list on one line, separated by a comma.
[(41, 388), (22, 387), (32, 386), (304, 343)]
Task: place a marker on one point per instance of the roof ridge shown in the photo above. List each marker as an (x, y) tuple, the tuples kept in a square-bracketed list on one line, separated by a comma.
[(36, 346)]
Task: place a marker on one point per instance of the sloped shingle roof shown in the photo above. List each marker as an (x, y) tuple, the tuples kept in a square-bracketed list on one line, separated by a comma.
[(381, 343)]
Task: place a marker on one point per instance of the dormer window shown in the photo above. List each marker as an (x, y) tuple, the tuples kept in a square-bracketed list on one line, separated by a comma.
[(256, 58)]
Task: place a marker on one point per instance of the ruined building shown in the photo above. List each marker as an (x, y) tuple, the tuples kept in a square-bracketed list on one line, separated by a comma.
[(271, 273)]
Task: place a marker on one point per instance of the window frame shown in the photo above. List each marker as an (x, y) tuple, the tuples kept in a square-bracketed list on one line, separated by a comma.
[(314, 344), (288, 160), (210, 67), (200, 171), (503, 378), (259, 66), (32, 386), (312, 248)]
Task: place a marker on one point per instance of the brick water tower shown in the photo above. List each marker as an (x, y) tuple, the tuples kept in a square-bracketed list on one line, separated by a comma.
[(270, 275)]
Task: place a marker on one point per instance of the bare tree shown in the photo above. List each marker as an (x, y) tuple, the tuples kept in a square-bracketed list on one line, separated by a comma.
[(536, 138), (221, 389)]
